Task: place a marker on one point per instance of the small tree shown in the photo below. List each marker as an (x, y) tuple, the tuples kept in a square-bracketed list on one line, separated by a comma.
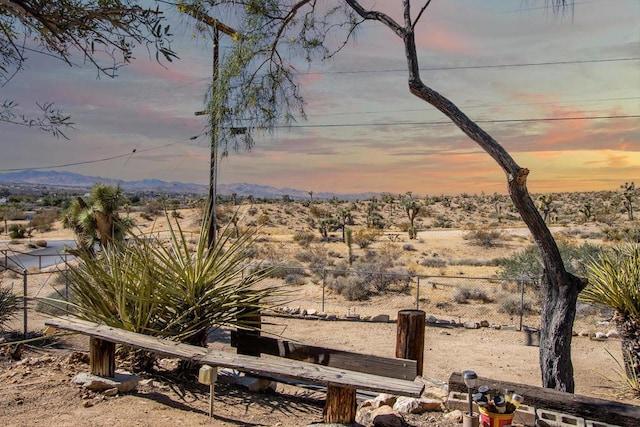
[(412, 208), (629, 193)]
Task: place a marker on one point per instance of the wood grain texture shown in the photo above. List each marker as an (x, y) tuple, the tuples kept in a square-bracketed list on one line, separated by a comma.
[(276, 367)]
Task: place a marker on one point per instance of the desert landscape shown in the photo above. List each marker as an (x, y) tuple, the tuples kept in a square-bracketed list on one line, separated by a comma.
[(458, 245)]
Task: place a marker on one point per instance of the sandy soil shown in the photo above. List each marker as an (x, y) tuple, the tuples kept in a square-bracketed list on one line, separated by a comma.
[(37, 390)]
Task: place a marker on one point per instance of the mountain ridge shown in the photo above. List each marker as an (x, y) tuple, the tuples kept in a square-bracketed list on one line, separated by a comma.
[(63, 179)]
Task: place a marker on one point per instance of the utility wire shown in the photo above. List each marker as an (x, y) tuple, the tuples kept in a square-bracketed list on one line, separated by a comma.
[(476, 67), (447, 122)]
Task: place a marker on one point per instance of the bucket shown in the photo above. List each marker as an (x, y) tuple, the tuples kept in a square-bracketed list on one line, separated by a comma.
[(491, 419)]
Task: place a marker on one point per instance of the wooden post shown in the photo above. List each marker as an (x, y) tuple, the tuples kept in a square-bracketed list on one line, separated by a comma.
[(245, 344), (340, 407), (102, 357), (410, 336)]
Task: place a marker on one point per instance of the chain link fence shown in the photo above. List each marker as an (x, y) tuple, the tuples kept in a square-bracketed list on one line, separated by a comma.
[(454, 299), (344, 292)]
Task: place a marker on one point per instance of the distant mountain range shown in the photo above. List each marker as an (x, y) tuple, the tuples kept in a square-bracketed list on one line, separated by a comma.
[(70, 180)]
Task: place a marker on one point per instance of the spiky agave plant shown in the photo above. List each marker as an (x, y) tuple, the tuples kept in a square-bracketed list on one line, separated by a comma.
[(164, 288), (614, 281)]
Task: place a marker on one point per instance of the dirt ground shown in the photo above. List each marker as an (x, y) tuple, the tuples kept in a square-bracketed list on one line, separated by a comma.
[(37, 390)]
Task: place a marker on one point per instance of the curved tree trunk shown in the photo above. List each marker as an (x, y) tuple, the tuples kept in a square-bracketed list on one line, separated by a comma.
[(560, 288)]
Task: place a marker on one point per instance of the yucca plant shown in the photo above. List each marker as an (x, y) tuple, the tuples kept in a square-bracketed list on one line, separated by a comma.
[(614, 281), (164, 288), (9, 306)]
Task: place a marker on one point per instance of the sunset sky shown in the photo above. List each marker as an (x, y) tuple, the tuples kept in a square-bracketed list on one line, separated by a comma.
[(510, 64)]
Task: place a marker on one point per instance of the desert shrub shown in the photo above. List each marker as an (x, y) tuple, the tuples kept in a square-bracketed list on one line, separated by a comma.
[(43, 220), (408, 247), (315, 256), (40, 243), (484, 238), (319, 212), (252, 211), (294, 279), (264, 219), (462, 295), (17, 231), (435, 262), (304, 238), (527, 263), (620, 234), (442, 221), (364, 237), (511, 305), (9, 306), (351, 287)]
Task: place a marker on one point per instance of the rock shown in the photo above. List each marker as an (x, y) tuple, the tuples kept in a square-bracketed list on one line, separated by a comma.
[(484, 323), (385, 416), (123, 381), (380, 318), (410, 405), (600, 336), (321, 314), (111, 392), (431, 319), (366, 318), (168, 364), (455, 416), (331, 317), (584, 333), (510, 327), (87, 404), (471, 325), (496, 326), (613, 334), (303, 312), (384, 399), (254, 384), (443, 332), (434, 393), (312, 312)]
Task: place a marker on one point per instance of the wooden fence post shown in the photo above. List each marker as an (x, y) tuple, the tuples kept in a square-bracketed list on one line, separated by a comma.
[(410, 336), (340, 407), (247, 346), (102, 357)]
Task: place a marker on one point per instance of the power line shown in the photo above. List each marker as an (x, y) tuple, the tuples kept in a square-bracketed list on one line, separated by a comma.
[(476, 67), (104, 159), (447, 122)]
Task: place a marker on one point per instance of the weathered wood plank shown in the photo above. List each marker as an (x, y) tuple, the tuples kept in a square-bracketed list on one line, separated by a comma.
[(590, 408), (340, 407), (366, 363), (102, 357), (316, 374)]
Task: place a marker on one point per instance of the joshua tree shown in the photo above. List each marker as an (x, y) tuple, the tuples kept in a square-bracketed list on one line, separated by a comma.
[(412, 208), (546, 205), (310, 196), (628, 192), (98, 221)]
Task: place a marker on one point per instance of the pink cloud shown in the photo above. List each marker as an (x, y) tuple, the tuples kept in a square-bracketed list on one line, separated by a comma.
[(440, 38)]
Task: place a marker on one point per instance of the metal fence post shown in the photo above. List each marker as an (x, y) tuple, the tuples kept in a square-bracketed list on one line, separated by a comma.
[(324, 280), (417, 292), (24, 303), (521, 301)]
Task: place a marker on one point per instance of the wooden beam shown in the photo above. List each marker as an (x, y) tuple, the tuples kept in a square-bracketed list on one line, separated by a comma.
[(275, 367), (358, 362), (410, 336), (102, 357), (590, 408), (340, 407)]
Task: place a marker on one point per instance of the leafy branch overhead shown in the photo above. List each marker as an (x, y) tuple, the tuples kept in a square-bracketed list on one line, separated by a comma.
[(103, 33)]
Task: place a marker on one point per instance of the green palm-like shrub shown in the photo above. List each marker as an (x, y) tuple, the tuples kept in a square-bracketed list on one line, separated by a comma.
[(165, 288), (9, 306), (614, 281)]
